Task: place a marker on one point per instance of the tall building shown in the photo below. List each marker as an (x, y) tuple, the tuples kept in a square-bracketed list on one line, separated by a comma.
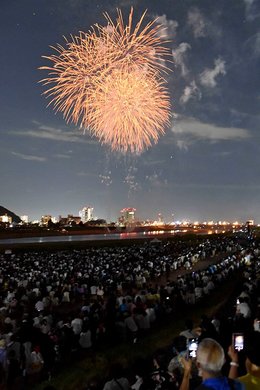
[(127, 215), (86, 214), (45, 219), (24, 218)]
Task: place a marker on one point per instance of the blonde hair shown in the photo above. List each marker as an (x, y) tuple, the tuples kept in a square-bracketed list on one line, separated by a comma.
[(210, 356)]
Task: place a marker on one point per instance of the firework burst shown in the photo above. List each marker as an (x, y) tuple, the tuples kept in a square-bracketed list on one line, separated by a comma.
[(130, 110), (110, 81)]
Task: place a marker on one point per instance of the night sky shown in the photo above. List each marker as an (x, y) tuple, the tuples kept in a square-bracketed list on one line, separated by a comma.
[(206, 166)]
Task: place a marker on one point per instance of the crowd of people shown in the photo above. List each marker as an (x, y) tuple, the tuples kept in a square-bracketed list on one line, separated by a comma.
[(53, 304), (221, 352)]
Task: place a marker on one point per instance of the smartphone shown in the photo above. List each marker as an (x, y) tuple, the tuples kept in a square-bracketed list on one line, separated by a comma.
[(192, 347), (238, 341)]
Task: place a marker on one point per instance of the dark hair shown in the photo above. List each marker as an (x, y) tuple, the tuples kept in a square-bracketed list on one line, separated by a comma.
[(189, 324), (180, 343), (116, 371)]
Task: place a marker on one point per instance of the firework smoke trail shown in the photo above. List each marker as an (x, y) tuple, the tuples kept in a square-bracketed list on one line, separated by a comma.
[(110, 81)]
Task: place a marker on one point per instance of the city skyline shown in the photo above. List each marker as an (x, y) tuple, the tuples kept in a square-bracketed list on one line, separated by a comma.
[(205, 167), (129, 214)]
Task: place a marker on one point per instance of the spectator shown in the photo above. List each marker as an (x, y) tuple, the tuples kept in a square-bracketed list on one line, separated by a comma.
[(159, 375), (118, 380), (252, 364), (85, 337), (14, 374), (243, 308), (175, 366), (131, 326), (210, 360), (189, 332), (45, 285)]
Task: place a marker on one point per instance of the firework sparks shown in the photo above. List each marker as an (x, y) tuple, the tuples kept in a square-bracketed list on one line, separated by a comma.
[(110, 82), (130, 111)]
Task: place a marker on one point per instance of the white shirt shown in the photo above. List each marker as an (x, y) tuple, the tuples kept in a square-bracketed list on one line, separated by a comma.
[(76, 325), (244, 309)]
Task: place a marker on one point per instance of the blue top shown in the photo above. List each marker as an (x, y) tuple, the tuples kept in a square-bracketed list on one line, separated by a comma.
[(221, 383)]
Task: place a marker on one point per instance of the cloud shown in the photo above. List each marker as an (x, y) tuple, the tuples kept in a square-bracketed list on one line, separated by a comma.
[(182, 145), (189, 130), (190, 91), (249, 3), (254, 44), (29, 157), (179, 55), (257, 44), (86, 174), (251, 10), (153, 162), (171, 26), (62, 156), (208, 76), (227, 186), (197, 23), (54, 133)]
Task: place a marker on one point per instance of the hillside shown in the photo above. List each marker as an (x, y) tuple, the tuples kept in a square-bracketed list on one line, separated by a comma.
[(4, 211)]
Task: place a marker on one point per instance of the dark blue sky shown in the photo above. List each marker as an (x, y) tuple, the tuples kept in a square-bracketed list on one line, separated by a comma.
[(207, 166)]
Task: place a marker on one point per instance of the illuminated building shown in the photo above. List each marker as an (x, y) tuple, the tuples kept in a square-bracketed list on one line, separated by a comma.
[(86, 214), (45, 219), (24, 218), (5, 218), (127, 215), (73, 220)]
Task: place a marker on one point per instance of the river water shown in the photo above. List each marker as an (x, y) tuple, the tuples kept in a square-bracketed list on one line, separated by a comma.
[(87, 237)]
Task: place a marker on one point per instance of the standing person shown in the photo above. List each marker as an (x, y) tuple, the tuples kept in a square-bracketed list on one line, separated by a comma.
[(189, 332), (14, 372), (131, 326), (210, 360), (251, 379), (117, 379)]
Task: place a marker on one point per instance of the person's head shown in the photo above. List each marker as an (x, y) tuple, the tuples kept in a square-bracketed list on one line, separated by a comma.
[(179, 344), (189, 324), (116, 371), (210, 357), (252, 352)]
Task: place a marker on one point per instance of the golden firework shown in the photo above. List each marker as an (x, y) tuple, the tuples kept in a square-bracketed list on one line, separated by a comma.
[(110, 82), (130, 110)]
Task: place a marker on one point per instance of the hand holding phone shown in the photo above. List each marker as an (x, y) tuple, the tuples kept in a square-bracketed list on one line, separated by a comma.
[(238, 341), (192, 347)]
